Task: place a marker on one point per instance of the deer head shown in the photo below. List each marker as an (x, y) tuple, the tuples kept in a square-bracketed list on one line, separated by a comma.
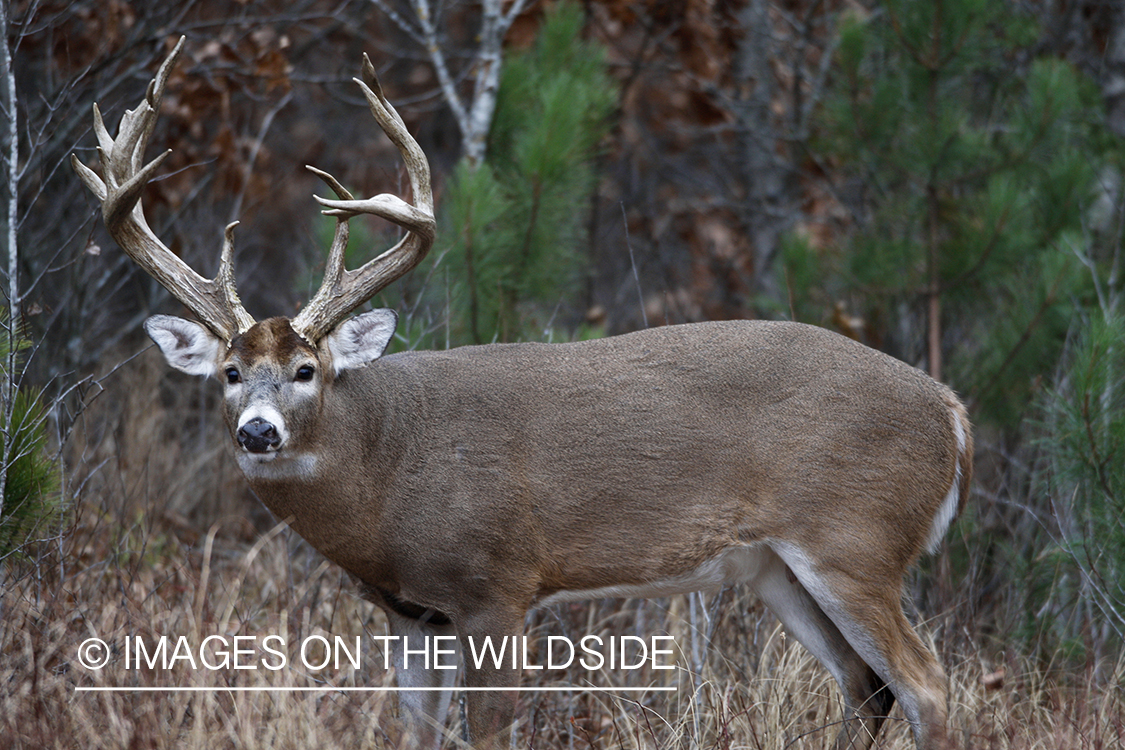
[(295, 354)]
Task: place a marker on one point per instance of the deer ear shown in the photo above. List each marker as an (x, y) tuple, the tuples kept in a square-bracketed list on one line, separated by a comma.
[(188, 346), (361, 339)]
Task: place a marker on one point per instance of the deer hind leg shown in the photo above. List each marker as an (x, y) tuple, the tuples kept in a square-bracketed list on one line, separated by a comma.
[(870, 617), (866, 699)]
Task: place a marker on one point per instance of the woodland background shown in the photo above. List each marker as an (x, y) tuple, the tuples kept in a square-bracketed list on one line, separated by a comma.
[(940, 179)]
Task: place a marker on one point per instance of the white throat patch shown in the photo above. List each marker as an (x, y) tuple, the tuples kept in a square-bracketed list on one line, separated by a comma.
[(278, 466)]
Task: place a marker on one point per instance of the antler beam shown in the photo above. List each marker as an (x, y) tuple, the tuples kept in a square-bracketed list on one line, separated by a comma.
[(343, 290), (214, 301)]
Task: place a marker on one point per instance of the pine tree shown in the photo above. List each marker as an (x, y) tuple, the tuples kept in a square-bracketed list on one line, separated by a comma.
[(511, 230), (969, 164)]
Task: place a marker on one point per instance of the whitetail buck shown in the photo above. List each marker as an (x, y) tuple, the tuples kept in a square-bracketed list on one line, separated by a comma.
[(461, 488)]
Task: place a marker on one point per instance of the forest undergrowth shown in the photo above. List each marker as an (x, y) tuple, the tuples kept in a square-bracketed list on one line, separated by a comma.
[(140, 563)]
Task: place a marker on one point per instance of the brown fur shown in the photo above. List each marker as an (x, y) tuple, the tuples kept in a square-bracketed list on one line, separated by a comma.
[(272, 338)]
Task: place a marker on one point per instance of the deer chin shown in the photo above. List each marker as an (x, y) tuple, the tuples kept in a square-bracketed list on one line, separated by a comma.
[(278, 465), (262, 457)]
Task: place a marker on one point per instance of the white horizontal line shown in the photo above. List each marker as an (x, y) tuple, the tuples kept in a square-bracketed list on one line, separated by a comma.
[(271, 689)]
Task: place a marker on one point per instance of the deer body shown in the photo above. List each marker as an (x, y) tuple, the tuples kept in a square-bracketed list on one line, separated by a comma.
[(462, 488), (591, 453), (470, 485)]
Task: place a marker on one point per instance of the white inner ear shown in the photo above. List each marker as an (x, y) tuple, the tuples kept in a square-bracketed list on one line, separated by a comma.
[(188, 346), (361, 339)]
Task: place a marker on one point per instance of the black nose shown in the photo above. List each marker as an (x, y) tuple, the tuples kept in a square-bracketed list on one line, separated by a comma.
[(258, 436)]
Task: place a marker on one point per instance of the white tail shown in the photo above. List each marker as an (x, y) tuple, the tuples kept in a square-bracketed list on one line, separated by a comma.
[(462, 488)]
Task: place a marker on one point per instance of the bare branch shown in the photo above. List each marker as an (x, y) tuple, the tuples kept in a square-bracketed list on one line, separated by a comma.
[(474, 119)]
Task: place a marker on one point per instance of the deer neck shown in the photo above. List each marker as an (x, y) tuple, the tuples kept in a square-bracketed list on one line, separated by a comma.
[(333, 487)]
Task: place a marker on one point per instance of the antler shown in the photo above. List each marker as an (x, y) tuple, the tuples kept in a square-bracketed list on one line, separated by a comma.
[(214, 301), (343, 290)]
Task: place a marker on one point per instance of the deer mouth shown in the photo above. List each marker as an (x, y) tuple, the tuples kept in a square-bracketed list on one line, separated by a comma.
[(265, 453)]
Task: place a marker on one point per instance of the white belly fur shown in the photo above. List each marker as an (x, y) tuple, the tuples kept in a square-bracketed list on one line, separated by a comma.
[(732, 566)]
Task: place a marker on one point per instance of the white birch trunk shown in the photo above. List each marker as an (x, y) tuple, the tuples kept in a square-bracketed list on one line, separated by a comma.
[(474, 118), (7, 382)]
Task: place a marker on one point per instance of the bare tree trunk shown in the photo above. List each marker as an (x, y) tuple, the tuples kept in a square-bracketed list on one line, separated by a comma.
[(7, 382), (766, 213), (1113, 80), (494, 25)]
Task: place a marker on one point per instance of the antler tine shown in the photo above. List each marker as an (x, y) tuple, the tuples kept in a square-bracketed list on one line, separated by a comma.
[(342, 291), (334, 271), (124, 176)]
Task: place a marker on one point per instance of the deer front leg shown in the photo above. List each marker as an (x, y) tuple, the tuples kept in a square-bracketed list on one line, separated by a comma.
[(491, 711), (422, 708)]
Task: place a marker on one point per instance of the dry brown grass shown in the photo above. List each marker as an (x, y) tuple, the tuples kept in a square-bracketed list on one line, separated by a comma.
[(758, 689), (139, 562)]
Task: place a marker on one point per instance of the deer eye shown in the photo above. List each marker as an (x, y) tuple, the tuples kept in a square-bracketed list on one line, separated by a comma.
[(233, 375), (305, 373)]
